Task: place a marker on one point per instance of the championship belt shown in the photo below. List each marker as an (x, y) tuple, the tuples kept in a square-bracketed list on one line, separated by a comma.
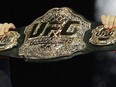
[(58, 34)]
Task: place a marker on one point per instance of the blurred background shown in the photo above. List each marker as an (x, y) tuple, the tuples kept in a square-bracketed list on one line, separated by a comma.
[(75, 72)]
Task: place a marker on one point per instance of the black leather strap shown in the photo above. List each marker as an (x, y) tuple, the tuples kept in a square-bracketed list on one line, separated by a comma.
[(57, 35)]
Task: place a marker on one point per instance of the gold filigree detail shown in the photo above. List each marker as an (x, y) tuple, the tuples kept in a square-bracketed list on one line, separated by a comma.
[(59, 32), (8, 40), (101, 36)]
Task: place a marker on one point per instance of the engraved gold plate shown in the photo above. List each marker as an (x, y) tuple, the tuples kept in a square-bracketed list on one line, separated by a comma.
[(101, 36), (8, 40), (58, 33)]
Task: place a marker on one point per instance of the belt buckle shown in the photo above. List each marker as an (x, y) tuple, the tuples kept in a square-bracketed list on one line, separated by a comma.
[(58, 33)]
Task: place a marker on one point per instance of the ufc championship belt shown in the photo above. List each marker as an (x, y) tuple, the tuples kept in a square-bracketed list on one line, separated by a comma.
[(58, 34)]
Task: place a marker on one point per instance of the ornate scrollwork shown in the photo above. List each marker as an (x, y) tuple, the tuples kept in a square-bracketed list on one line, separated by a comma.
[(101, 36), (59, 32), (8, 40)]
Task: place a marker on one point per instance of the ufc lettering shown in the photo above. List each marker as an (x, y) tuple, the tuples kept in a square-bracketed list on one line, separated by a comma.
[(47, 28)]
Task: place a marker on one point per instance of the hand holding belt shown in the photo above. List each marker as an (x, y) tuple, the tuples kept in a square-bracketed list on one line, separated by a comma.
[(59, 34)]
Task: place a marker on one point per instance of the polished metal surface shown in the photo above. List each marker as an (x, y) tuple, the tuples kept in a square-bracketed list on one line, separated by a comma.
[(8, 40), (60, 32), (101, 36)]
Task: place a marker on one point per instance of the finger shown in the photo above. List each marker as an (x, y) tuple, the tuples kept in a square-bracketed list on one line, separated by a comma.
[(9, 26), (115, 21), (111, 22), (5, 26), (103, 19), (12, 25), (107, 18), (1, 29)]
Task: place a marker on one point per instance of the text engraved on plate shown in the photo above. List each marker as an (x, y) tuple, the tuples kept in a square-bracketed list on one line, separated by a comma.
[(9, 40), (58, 33), (101, 36)]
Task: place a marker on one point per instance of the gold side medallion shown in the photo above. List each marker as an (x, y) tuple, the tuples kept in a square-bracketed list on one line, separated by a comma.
[(9, 40), (101, 36)]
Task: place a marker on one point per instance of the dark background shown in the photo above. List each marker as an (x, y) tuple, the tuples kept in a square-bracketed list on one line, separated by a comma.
[(75, 72)]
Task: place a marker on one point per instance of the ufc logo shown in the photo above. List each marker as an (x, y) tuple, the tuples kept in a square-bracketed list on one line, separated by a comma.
[(45, 28)]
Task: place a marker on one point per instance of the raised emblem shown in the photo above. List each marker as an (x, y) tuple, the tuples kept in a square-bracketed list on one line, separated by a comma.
[(58, 33), (101, 36), (8, 40)]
